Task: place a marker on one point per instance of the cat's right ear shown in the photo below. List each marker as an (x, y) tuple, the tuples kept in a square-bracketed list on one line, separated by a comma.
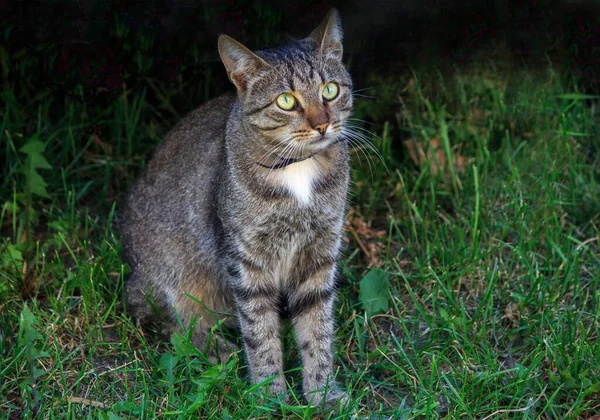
[(239, 61), (328, 35)]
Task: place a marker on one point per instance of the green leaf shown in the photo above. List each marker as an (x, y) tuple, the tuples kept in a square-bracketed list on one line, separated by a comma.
[(38, 161), (182, 346), (11, 258), (198, 399), (33, 146), (374, 292), (37, 184), (14, 253), (38, 354), (128, 407), (11, 207), (27, 331), (210, 377), (38, 372), (168, 361)]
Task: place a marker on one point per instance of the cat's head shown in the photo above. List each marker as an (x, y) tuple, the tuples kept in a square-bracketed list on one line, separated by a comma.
[(295, 98)]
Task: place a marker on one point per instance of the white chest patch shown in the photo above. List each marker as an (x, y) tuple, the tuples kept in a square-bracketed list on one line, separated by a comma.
[(298, 178), (287, 256)]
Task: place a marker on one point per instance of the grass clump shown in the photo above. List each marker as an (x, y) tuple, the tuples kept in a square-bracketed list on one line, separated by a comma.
[(491, 245)]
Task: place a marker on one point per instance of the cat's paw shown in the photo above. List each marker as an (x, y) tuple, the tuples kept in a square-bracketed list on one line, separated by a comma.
[(223, 349), (217, 349), (282, 396), (278, 387), (275, 389), (327, 399)]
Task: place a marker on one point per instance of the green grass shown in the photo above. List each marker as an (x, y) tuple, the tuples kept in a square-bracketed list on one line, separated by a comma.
[(491, 308)]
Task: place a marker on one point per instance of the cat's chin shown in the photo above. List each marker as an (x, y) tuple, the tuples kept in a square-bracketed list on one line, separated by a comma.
[(322, 143)]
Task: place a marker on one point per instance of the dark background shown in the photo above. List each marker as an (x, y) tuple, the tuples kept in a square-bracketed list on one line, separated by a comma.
[(494, 268), (98, 47)]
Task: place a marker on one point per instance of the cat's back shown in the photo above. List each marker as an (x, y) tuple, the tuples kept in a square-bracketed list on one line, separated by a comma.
[(181, 177), (195, 138)]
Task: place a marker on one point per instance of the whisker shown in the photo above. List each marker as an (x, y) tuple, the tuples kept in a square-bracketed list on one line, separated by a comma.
[(367, 140), (356, 146), (364, 96), (362, 121), (269, 153), (358, 127), (355, 141), (283, 144), (289, 145), (362, 138)]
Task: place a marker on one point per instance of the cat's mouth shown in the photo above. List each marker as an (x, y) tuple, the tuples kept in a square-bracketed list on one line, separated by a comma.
[(316, 144), (308, 150), (279, 162), (320, 143)]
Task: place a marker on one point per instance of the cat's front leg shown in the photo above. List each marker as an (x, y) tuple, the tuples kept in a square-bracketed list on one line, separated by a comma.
[(310, 306), (258, 306)]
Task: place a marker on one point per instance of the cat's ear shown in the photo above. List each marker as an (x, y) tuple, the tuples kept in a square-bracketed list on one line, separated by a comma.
[(239, 61), (328, 35)]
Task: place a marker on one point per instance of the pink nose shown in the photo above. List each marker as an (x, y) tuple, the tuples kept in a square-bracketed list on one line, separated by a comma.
[(321, 128)]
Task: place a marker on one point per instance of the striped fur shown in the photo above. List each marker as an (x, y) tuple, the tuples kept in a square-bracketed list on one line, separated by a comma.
[(249, 241)]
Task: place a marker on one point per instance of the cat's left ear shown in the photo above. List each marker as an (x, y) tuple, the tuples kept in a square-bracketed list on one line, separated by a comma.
[(239, 61), (329, 35)]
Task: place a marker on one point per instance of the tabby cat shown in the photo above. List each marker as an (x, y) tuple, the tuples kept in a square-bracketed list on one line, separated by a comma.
[(239, 214)]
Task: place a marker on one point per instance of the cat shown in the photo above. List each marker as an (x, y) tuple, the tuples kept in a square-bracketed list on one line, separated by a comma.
[(239, 214)]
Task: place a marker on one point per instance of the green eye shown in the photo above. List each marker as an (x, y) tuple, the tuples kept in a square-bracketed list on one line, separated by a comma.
[(286, 101), (330, 91)]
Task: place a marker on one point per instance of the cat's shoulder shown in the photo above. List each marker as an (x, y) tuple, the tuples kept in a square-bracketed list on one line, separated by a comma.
[(212, 114), (200, 133)]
